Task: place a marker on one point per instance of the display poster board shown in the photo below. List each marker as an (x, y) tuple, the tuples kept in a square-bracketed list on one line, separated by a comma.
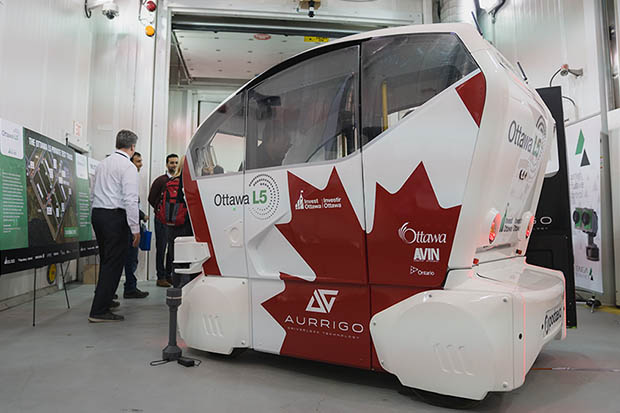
[(13, 214), (584, 152), (41, 221), (88, 243)]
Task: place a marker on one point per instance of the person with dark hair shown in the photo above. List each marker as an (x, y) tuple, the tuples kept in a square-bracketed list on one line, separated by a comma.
[(131, 289), (164, 268), (180, 225), (115, 221)]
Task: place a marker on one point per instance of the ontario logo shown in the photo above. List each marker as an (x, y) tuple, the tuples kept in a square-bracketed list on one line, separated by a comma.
[(322, 301), (416, 271)]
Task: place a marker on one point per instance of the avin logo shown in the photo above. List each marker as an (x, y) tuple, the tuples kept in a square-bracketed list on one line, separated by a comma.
[(426, 255), (322, 301)]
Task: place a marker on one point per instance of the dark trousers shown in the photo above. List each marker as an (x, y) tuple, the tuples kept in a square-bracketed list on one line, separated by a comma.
[(131, 264), (164, 268), (112, 233)]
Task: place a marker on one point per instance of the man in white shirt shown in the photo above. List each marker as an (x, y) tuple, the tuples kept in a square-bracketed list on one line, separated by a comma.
[(115, 221)]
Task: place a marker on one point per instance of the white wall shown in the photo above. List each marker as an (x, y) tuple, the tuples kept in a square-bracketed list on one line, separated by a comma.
[(543, 35), (57, 67), (121, 85), (45, 50), (183, 113), (179, 121)]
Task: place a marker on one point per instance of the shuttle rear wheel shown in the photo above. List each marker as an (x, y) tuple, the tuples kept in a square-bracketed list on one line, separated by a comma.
[(442, 400), (237, 351)]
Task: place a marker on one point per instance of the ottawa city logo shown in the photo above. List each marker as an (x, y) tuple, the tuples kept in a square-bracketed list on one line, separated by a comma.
[(411, 236), (322, 301)]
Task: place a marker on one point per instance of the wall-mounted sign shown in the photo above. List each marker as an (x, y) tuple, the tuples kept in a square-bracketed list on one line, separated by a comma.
[(584, 167)]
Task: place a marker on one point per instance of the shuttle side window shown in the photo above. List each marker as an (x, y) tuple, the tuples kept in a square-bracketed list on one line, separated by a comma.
[(219, 143), (306, 113), (401, 73)]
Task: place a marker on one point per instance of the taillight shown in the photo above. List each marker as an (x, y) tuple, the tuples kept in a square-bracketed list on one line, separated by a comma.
[(494, 228), (530, 226)]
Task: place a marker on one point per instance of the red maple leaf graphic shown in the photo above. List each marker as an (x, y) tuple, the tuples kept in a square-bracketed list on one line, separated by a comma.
[(326, 231), (328, 319), (338, 335), (199, 220), (421, 259)]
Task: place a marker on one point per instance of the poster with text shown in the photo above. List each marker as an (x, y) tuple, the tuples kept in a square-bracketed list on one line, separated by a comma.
[(83, 197), (88, 245), (584, 168), (47, 198), (13, 218)]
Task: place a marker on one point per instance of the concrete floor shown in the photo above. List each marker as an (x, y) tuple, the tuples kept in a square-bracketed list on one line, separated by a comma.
[(65, 364)]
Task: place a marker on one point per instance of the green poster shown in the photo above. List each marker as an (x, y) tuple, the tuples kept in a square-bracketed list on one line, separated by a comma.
[(52, 217), (13, 217), (83, 197)]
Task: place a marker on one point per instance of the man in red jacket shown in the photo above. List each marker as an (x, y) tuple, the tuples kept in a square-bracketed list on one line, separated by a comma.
[(164, 271)]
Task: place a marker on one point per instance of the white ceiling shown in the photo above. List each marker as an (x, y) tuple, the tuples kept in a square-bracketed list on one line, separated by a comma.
[(235, 55)]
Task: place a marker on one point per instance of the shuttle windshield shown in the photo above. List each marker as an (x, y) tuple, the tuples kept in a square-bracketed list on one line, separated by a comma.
[(308, 112)]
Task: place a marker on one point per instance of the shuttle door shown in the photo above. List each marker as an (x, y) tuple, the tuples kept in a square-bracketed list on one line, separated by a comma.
[(304, 225)]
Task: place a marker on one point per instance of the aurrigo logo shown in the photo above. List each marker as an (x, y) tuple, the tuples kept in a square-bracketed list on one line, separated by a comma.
[(322, 301)]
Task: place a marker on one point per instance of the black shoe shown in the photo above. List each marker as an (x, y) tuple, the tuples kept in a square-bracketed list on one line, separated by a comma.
[(106, 317), (136, 294), (114, 304)]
